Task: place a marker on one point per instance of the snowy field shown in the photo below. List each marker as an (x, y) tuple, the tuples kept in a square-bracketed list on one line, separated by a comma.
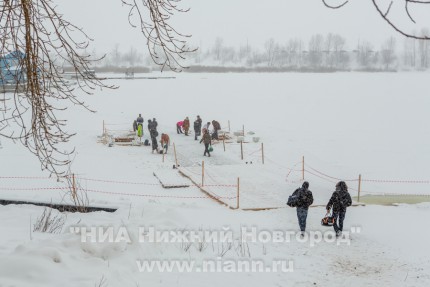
[(343, 124)]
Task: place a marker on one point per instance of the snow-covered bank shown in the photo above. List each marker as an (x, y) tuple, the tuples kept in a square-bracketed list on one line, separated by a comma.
[(344, 125)]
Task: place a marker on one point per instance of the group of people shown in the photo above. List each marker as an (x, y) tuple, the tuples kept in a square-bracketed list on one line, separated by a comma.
[(153, 133), (338, 203), (183, 127)]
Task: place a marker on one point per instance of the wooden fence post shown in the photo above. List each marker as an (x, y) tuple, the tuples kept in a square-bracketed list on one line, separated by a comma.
[(223, 141), (176, 158), (228, 125), (241, 150), (203, 173), (104, 129), (359, 187), (243, 130), (303, 168), (238, 193), (262, 152)]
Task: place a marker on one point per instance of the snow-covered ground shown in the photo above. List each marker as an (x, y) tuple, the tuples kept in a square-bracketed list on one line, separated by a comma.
[(343, 124)]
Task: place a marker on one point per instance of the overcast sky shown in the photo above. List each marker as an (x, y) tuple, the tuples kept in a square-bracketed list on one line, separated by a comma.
[(239, 21)]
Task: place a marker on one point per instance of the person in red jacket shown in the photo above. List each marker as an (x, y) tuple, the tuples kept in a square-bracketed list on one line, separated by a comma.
[(179, 127)]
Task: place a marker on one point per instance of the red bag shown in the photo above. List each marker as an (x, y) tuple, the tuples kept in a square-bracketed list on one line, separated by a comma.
[(328, 220)]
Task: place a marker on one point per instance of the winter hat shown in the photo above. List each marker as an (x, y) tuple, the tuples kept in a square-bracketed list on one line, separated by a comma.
[(342, 186), (305, 185)]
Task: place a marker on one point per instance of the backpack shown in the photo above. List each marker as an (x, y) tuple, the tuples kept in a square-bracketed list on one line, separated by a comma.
[(294, 199)]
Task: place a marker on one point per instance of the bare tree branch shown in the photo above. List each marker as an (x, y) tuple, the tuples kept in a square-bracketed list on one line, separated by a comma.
[(165, 44), (40, 43), (334, 6), (385, 16), (36, 37), (395, 27), (407, 12), (389, 8)]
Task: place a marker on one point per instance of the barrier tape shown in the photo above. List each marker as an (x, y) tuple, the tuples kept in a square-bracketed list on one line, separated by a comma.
[(119, 182), (329, 180), (338, 179), (25, 177), (289, 173), (32, 188), (397, 181), (254, 152)]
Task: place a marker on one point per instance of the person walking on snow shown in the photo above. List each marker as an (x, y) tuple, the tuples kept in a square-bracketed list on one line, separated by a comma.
[(339, 201), (197, 127), (165, 141), (206, 139), (305, 199), (179, 127)]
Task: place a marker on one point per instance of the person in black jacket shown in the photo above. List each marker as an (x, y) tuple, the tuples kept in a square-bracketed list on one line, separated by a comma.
[(304, 201), (152, 125), (197, 127), (339, 201), (154, 134)]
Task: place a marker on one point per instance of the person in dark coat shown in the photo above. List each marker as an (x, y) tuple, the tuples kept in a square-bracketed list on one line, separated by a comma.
[(304, 201), (135, 125), (154, 134), (154, 123), (206, 139), (149, 126), (339, 201), (139, 119), (197, 127)]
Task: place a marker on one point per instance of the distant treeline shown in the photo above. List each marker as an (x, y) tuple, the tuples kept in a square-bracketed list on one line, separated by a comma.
[(329, 53)]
